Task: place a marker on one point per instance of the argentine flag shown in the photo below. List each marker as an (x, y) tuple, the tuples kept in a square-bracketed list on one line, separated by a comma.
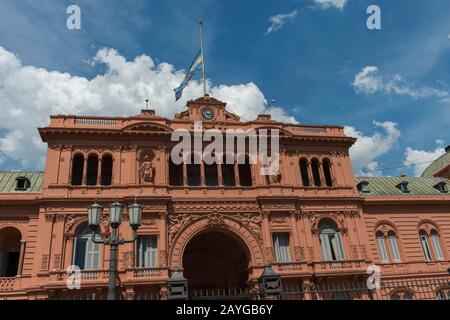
[(196, 64)]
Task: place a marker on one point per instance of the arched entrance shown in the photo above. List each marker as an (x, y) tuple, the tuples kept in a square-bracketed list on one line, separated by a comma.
[(9, 251), (216, 259)]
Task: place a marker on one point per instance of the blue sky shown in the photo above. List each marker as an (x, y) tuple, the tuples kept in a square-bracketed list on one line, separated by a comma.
[(309, 65)]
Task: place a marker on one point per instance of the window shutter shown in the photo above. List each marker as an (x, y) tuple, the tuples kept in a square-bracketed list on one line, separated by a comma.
[(281, 244), (426, 249), (338, 249), (394, 248), (326, 248), (437, 247), (80, 253), (382, 249)]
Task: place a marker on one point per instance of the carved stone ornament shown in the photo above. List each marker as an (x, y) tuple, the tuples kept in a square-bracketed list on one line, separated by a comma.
[(146, 167), (274, 176), (215, 219)]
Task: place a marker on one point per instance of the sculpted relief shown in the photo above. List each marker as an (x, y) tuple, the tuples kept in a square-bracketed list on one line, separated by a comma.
[(146, 167)]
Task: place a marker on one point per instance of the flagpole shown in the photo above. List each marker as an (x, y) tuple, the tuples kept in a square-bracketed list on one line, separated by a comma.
[(203, 58)]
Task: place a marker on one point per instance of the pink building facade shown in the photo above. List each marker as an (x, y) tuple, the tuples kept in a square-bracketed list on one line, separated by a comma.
[(314, 222)]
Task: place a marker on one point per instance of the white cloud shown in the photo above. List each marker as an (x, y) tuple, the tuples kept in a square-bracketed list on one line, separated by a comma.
[(28, 95), (279, 20), (368, 148), (368, 81), (340, 4), (421, 159)]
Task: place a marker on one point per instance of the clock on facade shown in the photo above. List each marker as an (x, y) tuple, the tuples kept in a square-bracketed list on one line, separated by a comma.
[(208, 114)]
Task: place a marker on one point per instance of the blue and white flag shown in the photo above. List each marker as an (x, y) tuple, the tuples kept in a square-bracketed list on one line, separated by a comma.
[(196, 65)]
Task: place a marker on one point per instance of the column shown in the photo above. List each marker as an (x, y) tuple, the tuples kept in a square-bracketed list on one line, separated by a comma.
[(21, 257), (322, 176), (219, 175), (310, 174), (269, 254), (185, 176), (68, 251), (99, 172), (85, 171), (202, 174), (295, 235), (236, 174), (163, 240)]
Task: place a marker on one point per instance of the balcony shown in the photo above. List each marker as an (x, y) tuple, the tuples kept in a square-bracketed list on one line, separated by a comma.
[(8, 284), (294, 268), (344, 267), (88, 277)]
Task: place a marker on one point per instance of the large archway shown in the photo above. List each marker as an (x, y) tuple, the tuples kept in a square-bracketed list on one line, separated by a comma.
[(216, 259)]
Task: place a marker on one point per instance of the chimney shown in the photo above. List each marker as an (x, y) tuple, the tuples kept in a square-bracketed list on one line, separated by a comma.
[(447, 149)]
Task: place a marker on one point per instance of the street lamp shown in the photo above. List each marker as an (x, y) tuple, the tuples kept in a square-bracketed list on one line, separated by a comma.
[(115, 219)]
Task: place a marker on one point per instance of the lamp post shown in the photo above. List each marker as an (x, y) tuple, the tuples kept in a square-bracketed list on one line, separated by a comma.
[(95, 212)]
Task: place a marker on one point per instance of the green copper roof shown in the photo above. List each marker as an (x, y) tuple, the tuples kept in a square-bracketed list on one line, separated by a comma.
[(387, 186), (437, 165), (8, 181)]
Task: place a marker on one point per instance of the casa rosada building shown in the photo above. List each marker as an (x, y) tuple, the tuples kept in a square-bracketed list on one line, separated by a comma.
[(315, 223)]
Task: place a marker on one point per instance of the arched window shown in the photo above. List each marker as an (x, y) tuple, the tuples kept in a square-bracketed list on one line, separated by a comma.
[(315, 166), (387, 245), (304, 172), (431, 245), (107, 165), (245, 173), (193, 171), (330, 241), (77, 170), (9, 252), (175, 173), (228, 177), (326, 165), (92, 170), (443, 294), (86, 252)]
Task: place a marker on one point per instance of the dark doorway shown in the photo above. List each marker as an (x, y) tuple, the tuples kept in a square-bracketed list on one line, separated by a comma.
[(215, 260)]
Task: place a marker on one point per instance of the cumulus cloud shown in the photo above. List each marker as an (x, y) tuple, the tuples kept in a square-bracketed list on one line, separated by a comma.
[(279, 20), (340, 4), (368, 148), (368, 81), (28, 95), (421, 159)]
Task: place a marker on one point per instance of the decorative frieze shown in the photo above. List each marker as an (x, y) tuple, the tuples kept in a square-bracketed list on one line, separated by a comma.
[(179, 221), (221, 206)]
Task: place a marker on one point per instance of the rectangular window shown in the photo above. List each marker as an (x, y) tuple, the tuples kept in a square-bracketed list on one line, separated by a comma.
[(426, 249), (394, 248), (437, 247), (147, 252), (382, 249), (281, 245)]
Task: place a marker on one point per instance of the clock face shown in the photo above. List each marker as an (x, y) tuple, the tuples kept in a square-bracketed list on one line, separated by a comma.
[(208, 114)]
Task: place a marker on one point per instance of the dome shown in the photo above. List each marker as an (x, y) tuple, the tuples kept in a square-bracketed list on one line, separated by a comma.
[(437, 165)]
